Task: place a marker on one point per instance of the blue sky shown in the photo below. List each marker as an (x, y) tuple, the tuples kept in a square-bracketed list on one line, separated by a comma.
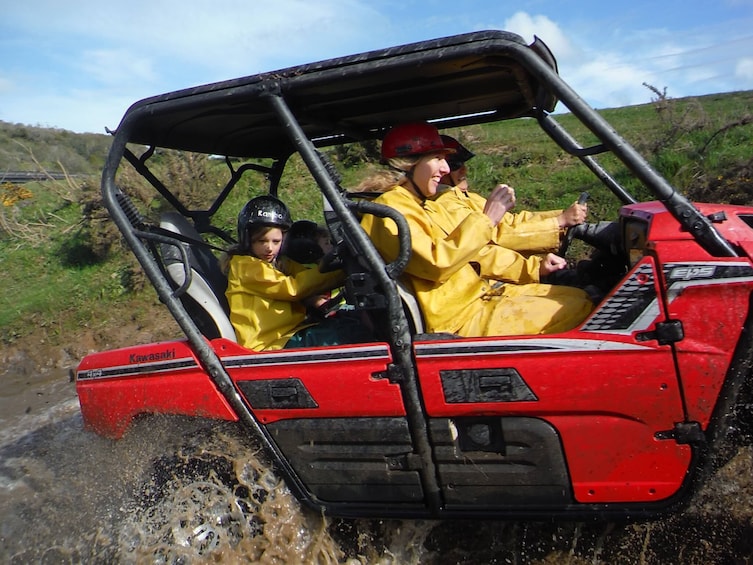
[(78, 65)]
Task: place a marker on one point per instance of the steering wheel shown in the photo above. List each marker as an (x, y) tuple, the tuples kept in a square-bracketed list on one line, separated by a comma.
[(572, 230), (331, 261)]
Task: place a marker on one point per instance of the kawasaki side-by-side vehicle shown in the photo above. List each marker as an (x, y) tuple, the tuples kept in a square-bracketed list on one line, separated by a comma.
[(615, 418)]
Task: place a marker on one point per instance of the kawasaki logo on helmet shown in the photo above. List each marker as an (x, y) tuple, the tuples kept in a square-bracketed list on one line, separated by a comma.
[(268, 214)]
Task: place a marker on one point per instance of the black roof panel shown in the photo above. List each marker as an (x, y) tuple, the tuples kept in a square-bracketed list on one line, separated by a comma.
[(485, 75)]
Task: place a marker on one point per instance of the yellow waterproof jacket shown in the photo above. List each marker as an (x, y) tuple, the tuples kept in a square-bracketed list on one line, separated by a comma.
[(494, 261), (447, 287), (265, 307), (453, 296), (525, 232)]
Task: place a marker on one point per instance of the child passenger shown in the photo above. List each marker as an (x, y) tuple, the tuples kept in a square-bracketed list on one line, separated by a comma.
[(266, 291)]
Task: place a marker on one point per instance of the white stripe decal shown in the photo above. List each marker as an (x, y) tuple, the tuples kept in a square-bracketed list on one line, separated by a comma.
[(290, 356), (285, 357), (520, 346), (137, 369)]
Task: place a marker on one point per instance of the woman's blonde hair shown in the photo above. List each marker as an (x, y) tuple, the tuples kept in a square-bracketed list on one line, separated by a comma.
[(384, 180)]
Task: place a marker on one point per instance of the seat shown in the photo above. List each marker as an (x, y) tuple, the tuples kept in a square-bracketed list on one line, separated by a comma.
[(411, 307), (204, 299)]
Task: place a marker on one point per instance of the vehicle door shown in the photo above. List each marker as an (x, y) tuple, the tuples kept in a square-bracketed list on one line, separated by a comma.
[(579, 417)]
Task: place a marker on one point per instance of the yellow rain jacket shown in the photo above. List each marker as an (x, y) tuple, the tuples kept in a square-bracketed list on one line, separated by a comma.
[(265, 307), (525, 232), (453, 296)]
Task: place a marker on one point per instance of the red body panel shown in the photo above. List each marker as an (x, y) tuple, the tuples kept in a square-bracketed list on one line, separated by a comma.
[(160, 378), (712, 320), (603, 400), (341, 386), (165, 378)]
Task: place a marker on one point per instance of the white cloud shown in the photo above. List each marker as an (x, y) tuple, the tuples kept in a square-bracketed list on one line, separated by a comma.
[(529, 26), (603, 77), (607, 81), (99, 57), (116, 67), (231, 36), (126, 51), (744, 70), (608, 66)]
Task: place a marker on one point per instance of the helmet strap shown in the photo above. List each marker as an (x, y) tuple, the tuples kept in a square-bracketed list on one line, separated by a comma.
[(409, 175)]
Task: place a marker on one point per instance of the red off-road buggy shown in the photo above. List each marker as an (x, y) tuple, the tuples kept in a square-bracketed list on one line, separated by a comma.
[(612, 419)]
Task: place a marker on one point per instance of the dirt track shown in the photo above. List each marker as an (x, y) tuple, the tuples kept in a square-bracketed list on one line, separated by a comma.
[(35, 372)]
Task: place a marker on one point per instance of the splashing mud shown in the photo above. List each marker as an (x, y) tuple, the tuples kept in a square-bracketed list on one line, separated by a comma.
[(180, 491)]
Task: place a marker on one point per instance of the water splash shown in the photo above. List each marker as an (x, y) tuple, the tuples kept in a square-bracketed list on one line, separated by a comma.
[(180, 491)]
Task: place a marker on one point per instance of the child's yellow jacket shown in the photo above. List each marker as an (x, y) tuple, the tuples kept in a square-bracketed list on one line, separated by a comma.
[(265, 302)]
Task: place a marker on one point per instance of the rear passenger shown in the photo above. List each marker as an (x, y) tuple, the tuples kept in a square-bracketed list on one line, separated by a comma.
[(266, 291)]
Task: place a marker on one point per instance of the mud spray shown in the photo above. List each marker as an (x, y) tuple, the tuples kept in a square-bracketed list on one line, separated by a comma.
[(179, 491)]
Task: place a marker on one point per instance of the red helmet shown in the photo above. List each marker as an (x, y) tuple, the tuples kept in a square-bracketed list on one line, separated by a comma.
[(412, 139)]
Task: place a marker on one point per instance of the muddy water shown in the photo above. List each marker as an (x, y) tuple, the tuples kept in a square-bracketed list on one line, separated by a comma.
[(183, 491)]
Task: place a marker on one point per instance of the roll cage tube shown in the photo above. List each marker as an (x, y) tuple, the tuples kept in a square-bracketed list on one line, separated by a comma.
[(202, 218), (682, 209), (200, 346), (396, 268), (569, 144), (401, 338)]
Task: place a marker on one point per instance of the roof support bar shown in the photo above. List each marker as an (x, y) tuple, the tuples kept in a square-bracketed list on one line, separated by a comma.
[(563, 138)]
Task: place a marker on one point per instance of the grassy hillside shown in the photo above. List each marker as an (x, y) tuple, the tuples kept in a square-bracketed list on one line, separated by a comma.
[(27, 148), (68, 280)]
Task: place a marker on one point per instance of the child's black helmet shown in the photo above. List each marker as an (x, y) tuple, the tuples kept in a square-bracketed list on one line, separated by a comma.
[(266, 211)]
